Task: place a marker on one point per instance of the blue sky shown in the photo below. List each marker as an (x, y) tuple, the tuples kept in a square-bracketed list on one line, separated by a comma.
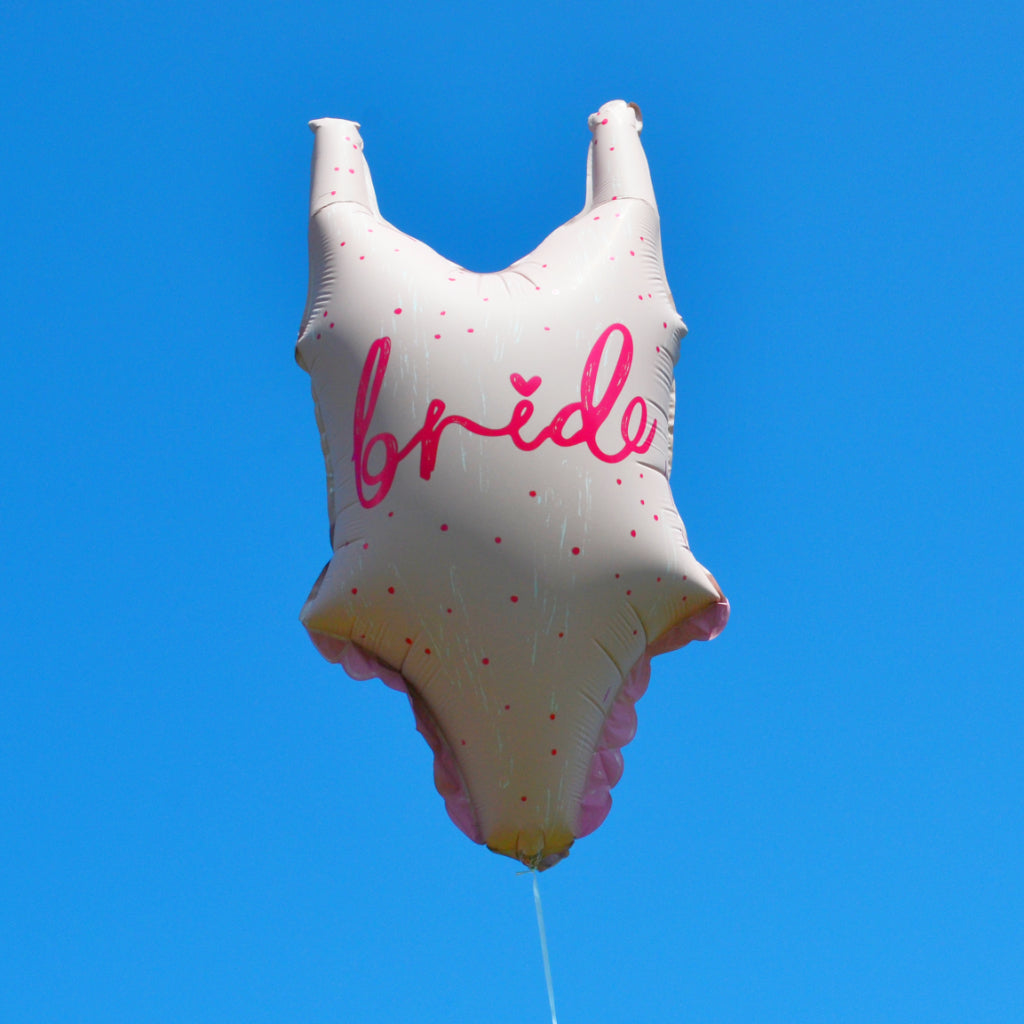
[(821, 815)]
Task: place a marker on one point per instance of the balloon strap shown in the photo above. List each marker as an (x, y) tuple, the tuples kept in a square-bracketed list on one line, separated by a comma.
[(544, 947)]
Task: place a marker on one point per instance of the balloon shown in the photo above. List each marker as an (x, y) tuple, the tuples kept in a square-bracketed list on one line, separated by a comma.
[(506, 548)]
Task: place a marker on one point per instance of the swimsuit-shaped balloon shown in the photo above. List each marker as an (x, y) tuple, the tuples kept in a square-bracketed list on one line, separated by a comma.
[(507, 550)]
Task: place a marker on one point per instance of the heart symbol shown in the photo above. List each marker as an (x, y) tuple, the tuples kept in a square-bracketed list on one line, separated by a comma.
[(523, 386)]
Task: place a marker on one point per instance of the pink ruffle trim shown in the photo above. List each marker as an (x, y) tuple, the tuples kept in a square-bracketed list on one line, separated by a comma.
[(619, 727), (359, 664)]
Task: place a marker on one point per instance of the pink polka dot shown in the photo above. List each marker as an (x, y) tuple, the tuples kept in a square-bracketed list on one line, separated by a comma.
[(333, 193), (514, 598), (355, 590), (553, 751), (508, 707), (485, 661), (436, 337), (575, 551), (469, 330), (351, 170), (605, 121), (632, 533), (444, 526), (342, 246), (497, 540), (619, 482), (398, 310), (337, 168), (628, 592), (533, 494)]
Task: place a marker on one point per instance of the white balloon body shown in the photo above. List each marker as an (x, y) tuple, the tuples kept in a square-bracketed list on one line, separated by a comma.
[(506, 547)]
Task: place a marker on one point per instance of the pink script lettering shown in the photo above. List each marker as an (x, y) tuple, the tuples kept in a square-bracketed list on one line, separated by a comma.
[(593, 411)]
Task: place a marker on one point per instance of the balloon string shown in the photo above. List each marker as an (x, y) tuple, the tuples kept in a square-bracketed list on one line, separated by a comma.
[(544, 947)]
